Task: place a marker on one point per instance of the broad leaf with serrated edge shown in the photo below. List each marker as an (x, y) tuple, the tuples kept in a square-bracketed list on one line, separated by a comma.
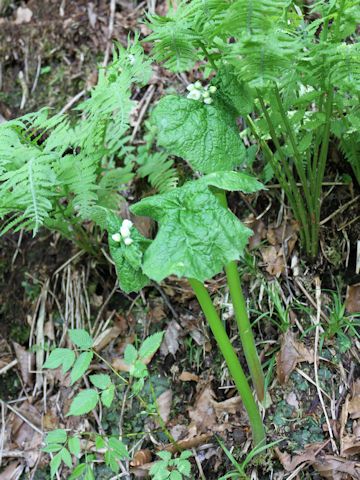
[(81, 365), (119, 448), (60, 356), (55, 464), (78, 470), (66, 457), (130, 354), (107, 396), (56, 436), (84, 402), (205, 135), (74, 446), (101, 380), (127, 258), (197, 236), (150, 345), (81, 338)]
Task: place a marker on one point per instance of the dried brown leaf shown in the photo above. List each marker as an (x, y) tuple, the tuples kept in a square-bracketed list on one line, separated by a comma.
[(26, 362), (170, 342), (354, 403), (164, 405), (333, 468), (188, 377), (307, 455), (291, 353), (106, 337), (10, 473), (141, 457), (353, 298), (259, 229), (203, 412)]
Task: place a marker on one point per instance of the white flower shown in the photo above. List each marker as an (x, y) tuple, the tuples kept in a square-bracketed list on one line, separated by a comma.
[(127, 223), (212, 89), (190, 87), (208, 100), (131, 58), (125, 232), (197, 84), (116, 237), (194, 95), (128, 241)]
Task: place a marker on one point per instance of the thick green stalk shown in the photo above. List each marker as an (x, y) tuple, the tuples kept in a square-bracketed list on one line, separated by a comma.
[(242, 321), (231, 359)]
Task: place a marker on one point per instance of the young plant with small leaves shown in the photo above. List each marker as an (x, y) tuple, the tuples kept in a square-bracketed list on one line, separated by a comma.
[(169, 468), (103, 391)]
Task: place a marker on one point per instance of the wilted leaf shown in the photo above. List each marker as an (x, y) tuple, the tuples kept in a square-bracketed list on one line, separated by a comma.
[(188, 377), (291, 353), (333, 468), (12, 471), (259, 229), (353, 298), (26, 362), (354, 403), (105, 337), (141, 457), (203, 413), (307, 455), (164, 402), (170, 342)]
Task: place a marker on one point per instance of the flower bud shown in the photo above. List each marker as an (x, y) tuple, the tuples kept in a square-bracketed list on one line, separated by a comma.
[(208, 100), (116, 237), (125, 232), (212, 89), (194, 95), (197, 84), (127, 223), (206, 94), (128, 241), (190, 87)]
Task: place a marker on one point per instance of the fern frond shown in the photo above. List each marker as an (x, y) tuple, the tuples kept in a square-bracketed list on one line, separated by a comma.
[(175, 42), (158, 168)]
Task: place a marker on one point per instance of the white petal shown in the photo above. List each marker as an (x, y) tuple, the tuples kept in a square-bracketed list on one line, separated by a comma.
[(128, 241), (194, 95), (127, 223), (208, 100), (125, 232), (116, 237)]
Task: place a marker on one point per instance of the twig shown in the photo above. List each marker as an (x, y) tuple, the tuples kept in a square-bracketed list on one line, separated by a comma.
[(166, 300), (148, 94), (316, 373), (2, 439), (24, 88), (17, 246), (38, 69), (345, 389), (110, 31), (40, 339), (68, 262), (116, 286), (72, 101), (339, 210), (24, 419), (8, 366)]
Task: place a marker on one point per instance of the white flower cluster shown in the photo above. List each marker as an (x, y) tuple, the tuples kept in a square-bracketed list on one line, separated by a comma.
[(124, 233), (197, 92)]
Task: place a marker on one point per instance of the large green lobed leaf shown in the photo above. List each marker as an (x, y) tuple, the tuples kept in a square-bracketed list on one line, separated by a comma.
[(204, 135), (197, 236)]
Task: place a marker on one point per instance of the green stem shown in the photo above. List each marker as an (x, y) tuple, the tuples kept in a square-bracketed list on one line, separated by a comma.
[(231, 359), (242, 320), (319, 174), (303, 217)]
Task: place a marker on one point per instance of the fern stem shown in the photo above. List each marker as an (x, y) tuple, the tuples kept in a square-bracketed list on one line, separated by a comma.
[(297, 160), (337, 22), (231, 359), (302, 217), (274, 163), (208, 55), (319, 174)]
